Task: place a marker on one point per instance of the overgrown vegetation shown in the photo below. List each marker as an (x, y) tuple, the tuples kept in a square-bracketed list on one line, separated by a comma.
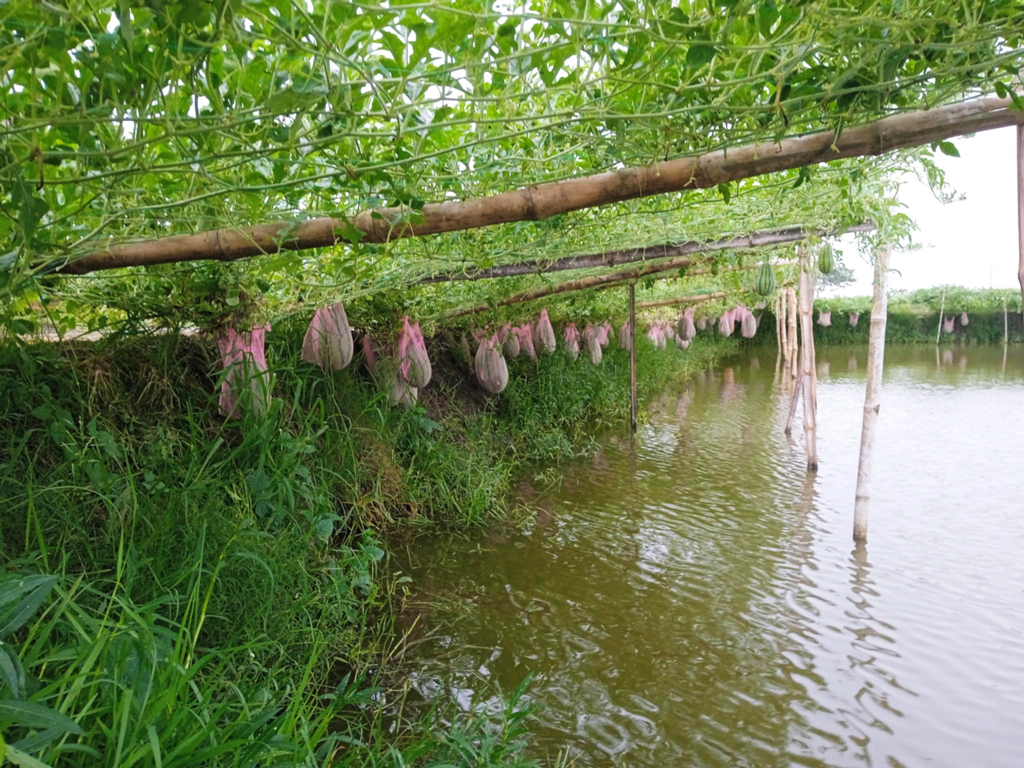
[(913, 317), (217, 592)]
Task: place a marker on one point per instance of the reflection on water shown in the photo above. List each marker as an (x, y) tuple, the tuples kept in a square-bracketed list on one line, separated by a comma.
[(699, 601)]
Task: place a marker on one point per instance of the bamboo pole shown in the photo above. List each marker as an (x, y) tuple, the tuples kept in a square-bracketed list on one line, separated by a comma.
[(777, 311), (872, 394), (793, 342), (1020, 212), (1006, 325), (695, 299), (632, 359), (606, 280), (807, 359), (647, 253), (794, 402), (664, 273), (942, 309), (542, 201)]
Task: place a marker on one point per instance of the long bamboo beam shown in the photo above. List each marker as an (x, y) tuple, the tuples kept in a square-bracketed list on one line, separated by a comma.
[(535, 203), (760, 239), (607, 280), (695, 299)]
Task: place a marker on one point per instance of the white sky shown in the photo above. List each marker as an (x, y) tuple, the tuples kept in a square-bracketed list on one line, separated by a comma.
[(970, 242)]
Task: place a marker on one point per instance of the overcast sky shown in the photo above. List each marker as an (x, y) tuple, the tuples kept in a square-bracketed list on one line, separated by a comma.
[(970, 242)]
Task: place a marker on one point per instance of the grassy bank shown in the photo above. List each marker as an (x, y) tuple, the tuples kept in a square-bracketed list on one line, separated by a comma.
[(212, 592)]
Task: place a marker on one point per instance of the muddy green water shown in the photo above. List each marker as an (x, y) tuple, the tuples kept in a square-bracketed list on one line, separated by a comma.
[(697, 600)]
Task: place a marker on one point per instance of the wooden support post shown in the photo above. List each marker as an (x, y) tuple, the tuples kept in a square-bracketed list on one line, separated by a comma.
[(793, 344), (872, 394), (942, 309), (780, 322), (1020, 213), (632, 359), (794, 402), (807, 362), (780, 333)]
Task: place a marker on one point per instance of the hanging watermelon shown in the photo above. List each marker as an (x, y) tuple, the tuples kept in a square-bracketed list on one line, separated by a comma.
[(854, 319), (947, 324), (328, 340), (525, 336), (572, 341), (544, 334), (825, 319), (826, 259), (624, 337), (727, 323), (490, 366), (766, 284), (748, 323), (244, 360), (592, 339), (413, 362), (701, 323), (964, 320), (685, 328), (509, 341)]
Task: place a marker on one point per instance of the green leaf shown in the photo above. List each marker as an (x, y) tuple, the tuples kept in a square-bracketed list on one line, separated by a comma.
[(726, 192), (350, 233), (429, 425), (20, 598), (19, 758), (124, 18), (154, 743), (38, 740), (701, 52), (31, 715), (948, 148), (11, 672)]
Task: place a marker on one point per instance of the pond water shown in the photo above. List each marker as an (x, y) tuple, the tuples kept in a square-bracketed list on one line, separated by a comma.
[(698, 599)]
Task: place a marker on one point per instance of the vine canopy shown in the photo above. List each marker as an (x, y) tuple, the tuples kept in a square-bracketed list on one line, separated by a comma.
[(124, 121)]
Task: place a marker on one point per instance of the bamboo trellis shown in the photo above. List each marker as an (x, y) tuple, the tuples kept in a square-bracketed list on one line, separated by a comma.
[(909, 129)]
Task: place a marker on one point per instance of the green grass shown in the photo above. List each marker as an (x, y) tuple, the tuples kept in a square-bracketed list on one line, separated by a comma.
[(220, 591)]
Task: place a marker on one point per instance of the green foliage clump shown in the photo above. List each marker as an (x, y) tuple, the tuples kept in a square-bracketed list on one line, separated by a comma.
[(224, 589)]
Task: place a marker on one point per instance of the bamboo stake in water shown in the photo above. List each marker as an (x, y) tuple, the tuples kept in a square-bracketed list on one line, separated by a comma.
[(872, 394), (632, 359), (807, 359), (794, 402), (779, 335), (942, 308), (1006, 325), (793, 344)]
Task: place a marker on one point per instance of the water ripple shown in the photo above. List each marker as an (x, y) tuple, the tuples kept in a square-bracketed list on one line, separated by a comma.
[(697, 600)]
